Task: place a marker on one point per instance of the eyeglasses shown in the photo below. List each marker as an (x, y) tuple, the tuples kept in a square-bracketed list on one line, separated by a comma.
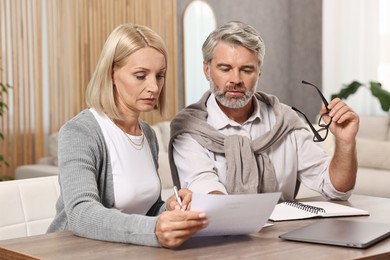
[(320, 134)]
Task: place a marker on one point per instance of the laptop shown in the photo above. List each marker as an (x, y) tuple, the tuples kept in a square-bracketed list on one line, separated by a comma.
[(338, 232)]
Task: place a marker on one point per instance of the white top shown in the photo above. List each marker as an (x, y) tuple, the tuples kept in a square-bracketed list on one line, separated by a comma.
[(136, 183), (297, 156)]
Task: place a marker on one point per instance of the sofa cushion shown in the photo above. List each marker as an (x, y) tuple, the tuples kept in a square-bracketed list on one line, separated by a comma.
[(374, 127), (52, 158), (373, 182), (53, 144), (373, 153), (165, 130), (164, 170), (370, 153)]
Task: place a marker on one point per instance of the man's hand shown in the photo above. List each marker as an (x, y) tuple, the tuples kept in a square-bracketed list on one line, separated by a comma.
[(216, 192), (345, 122)]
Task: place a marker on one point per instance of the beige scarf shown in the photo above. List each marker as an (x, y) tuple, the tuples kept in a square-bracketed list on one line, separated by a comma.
[(249, 169)]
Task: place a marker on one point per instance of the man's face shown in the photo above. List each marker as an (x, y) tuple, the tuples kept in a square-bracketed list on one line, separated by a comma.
[(233, 74)]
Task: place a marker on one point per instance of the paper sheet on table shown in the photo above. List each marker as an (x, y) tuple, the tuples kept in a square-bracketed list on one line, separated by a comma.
[(238, 214)]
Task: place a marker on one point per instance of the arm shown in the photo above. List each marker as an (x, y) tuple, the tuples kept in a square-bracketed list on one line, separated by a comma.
[(344, 126), (197, 168)]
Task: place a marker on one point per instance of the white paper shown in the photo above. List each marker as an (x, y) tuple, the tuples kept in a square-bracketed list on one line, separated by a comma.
[(238, 214)]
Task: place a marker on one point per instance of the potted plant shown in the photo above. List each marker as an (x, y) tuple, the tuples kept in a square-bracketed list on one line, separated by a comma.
[(3, 108), (375, 88)]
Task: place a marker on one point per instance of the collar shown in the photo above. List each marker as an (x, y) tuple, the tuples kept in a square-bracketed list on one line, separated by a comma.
[(218, 119)]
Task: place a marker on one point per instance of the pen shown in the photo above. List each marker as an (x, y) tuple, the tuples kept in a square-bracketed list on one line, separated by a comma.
[(177, 195)]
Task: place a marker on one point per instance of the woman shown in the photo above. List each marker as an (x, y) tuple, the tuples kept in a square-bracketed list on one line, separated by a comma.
[(110, 189)]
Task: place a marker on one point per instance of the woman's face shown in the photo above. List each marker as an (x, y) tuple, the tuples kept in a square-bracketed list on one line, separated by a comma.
[(140, 81)]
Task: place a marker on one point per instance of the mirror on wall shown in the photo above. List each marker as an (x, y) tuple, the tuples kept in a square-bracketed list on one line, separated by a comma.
[(198, 22)]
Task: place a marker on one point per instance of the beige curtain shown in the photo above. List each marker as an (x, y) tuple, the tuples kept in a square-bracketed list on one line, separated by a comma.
[(49, 49)]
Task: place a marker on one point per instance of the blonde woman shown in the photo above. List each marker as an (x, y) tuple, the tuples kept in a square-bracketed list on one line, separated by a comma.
[(110, 189)]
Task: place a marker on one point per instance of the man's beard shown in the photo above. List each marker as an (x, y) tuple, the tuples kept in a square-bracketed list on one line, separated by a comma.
[(231, 102)]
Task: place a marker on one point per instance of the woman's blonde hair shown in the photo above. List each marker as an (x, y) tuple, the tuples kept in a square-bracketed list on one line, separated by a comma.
[(121, 43)]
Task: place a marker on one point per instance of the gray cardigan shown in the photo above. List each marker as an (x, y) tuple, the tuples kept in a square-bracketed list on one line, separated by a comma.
[(85, 206)]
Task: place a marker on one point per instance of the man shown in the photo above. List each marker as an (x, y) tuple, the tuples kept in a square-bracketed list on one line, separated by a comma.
[(237, 141)]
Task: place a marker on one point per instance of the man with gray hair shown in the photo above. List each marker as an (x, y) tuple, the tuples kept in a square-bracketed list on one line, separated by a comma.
[(235, 140)]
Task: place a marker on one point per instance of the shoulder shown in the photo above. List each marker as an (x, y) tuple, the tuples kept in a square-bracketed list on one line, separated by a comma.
[(82, 127), (84, 119)]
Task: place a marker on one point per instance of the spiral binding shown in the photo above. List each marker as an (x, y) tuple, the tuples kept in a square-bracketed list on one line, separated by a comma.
[(308, 208)]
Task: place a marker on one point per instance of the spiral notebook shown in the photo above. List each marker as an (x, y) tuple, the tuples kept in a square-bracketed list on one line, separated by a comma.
[(292, 210)]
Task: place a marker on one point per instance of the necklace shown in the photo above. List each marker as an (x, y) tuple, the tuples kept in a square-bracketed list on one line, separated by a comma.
[(136, 145)]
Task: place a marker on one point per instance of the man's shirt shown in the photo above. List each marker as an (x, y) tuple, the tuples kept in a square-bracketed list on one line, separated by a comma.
[(294, 157)]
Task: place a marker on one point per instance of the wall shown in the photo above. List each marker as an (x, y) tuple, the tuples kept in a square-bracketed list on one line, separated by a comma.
[(292, 32)]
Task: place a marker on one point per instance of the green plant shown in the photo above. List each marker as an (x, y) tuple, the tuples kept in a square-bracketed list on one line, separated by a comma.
[(375, 88), (3, 108)]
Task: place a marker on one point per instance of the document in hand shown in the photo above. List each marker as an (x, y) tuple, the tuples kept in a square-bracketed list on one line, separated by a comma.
[(238, 214), (291, 210)]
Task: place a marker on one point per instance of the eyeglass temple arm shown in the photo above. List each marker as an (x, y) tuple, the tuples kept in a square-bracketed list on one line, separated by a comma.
[(319, 92), (317, 135)]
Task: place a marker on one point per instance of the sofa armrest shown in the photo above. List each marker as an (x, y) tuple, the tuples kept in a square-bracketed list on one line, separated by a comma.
[(27, 206), (35, 170)]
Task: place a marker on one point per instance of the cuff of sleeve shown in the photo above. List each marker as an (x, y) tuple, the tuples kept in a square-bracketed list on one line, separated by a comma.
[(204, 188), (331, 193)]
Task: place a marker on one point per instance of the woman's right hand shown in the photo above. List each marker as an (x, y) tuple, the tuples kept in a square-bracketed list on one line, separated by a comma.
[(185, 196), (174, 227)]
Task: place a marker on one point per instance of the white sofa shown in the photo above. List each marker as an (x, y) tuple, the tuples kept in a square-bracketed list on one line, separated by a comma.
[(373, 145), (27, 206)]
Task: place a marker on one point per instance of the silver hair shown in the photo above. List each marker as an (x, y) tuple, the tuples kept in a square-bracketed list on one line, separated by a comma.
[(236, 33)]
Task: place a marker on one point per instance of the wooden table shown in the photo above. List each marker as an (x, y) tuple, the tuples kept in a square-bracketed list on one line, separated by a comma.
[(262, 245)]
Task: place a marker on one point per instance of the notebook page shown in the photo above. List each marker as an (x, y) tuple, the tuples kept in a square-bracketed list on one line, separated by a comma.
[(333, 209), (284, 211)]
